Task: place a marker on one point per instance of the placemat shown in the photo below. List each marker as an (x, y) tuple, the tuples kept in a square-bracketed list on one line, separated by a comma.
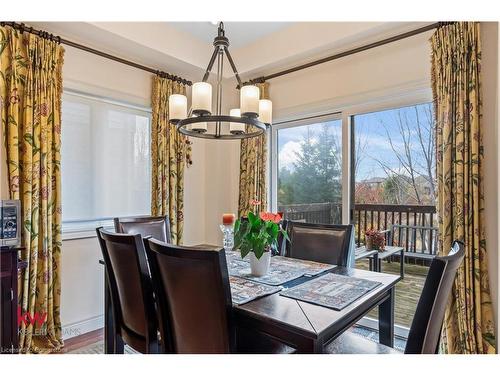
[(278, 274), (235, 254), (243, 291), (309, 267), (331, 290)]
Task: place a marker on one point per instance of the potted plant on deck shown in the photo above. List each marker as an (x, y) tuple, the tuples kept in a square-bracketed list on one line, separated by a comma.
[(257, 236), (375, 240)]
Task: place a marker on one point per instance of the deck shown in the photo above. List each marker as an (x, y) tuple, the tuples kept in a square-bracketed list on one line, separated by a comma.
[(408, 290)]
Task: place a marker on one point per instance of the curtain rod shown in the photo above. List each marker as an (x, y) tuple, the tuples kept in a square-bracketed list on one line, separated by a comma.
[(350, 52), (43, 34)]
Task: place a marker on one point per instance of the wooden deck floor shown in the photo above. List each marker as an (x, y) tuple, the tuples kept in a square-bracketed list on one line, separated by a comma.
[(408, 290)]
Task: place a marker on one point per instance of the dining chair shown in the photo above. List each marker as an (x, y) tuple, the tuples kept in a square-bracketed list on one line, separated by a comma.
[(194, 300), (425, 331), (131, 291), (157, 227), (325, 243)]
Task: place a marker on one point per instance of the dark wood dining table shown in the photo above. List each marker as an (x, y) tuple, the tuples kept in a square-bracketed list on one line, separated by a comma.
[(304, 326)]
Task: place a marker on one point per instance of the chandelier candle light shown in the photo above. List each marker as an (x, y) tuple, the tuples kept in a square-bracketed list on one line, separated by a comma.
[(250, 120)]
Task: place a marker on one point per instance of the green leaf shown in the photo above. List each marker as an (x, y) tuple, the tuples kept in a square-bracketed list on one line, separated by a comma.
[(244, 250)]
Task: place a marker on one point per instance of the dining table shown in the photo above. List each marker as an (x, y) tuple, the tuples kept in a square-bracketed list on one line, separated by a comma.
[(305, 326)]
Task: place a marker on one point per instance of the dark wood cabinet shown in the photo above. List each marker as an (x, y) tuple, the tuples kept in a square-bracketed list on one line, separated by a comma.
[(9, 269)]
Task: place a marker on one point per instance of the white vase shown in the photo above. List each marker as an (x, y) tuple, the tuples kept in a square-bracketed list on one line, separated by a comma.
[(260, 267)]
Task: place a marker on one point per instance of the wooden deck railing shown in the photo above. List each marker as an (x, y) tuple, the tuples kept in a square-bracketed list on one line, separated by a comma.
[(318, 213), (414, 225), (413, 228)]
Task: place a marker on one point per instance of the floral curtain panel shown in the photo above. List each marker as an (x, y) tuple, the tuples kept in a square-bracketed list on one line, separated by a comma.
[(170, 151), (253, 169), (30, 95), (456, 84)]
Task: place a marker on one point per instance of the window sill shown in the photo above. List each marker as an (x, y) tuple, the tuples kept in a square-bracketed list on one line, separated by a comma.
[(78, 235), (87, 230)]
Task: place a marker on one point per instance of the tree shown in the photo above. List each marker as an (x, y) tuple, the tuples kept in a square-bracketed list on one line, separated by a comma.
[(286, 193), (329, 166), (413, 145), (316, 174)]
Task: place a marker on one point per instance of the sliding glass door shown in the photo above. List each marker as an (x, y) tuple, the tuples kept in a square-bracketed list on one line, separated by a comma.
[(372, 166)]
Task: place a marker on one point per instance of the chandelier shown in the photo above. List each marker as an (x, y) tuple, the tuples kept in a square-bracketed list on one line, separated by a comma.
[(250, 120)]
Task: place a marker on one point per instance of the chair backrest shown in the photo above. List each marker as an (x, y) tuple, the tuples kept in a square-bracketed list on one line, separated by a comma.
[(157, 227), (425, 330), (131, 289), (194, 298), (324, 243)]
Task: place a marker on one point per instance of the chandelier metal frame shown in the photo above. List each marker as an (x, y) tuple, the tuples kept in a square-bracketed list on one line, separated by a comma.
[(254, 127)]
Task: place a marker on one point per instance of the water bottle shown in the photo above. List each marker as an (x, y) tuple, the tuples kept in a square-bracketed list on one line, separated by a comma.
[(227, 228), (228, 236)]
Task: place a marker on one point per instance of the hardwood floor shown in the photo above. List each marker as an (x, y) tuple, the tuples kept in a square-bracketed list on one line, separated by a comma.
[(78, 342)]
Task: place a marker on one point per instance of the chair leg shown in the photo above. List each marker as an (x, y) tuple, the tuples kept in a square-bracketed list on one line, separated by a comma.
[(119, 346), (153, 347)]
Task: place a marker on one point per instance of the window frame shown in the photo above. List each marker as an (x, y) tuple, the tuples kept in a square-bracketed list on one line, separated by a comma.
[(273, 154), (87, 227)]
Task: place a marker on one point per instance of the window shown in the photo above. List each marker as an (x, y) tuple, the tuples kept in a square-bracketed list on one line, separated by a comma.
[(309, 172), (105, 161), (395, 156)]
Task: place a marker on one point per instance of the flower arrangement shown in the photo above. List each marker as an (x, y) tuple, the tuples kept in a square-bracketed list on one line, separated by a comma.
[(258, 234), (375, 240)]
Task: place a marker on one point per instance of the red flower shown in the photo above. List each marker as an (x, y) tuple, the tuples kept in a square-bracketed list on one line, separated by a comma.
[(269, 216)]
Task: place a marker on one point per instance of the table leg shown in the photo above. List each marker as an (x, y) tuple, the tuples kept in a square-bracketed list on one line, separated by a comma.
[(402, 264), (311, 346), (109, 336), (376, 263), (386, 320)]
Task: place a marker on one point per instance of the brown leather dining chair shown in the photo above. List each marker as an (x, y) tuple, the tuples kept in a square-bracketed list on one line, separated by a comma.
[(194, 301), (157, 227), (325, 243), (425, 330), (194, 298), (134, 313)]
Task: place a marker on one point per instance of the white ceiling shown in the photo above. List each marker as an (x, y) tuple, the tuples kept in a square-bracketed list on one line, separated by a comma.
[(239, 33), (257, 48)]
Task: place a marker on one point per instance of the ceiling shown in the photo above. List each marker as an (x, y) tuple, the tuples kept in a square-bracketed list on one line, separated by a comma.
[(184, 48), (240, 33)]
